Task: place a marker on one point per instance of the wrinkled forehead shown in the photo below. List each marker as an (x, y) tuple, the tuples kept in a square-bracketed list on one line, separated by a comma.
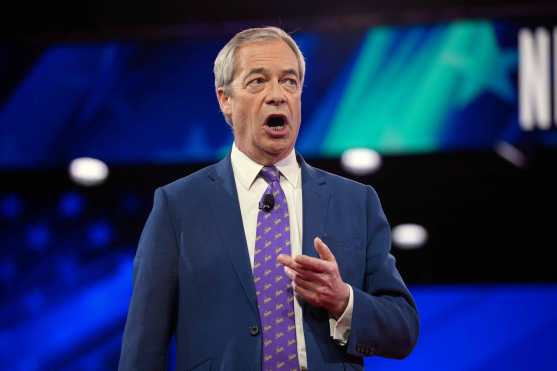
[(265, 54)]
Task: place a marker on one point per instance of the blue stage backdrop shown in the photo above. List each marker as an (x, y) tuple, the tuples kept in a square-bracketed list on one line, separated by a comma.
[(411, 89)]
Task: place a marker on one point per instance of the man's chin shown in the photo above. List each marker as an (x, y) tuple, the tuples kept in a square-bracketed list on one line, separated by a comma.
[(279, 150)]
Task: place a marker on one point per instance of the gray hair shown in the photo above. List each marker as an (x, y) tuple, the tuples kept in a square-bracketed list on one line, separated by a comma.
[(224, 67)]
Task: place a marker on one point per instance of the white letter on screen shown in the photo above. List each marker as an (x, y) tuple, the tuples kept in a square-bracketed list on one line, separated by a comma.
[(534, 79)]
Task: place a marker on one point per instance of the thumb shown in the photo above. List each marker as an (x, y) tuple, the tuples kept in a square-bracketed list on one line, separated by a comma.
[(323, 250)]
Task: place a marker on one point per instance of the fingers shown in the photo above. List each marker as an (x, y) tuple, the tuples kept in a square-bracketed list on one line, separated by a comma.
[(286, 260), (293, 269), (309, 263), (300, 282), (315, 280), (306, 275), (302, 288), (303, 263), (313, 292), (303, 293)]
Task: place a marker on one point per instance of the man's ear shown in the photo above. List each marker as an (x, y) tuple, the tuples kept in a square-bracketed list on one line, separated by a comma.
[(224, 102)]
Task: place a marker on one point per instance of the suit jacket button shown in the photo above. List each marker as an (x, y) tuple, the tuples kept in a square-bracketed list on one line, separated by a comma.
[(254, 330)]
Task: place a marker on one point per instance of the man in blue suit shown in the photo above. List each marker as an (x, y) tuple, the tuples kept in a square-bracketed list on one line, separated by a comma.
[(262, 262)]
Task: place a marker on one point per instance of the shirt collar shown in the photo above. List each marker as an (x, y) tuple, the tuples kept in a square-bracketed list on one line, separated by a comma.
[(247, 170)]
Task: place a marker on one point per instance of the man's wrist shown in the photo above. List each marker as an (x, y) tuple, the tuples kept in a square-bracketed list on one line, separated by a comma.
[(337, 312)]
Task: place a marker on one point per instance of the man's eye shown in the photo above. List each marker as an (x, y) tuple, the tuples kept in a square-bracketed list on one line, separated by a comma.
[(257, 81), (292, 82)]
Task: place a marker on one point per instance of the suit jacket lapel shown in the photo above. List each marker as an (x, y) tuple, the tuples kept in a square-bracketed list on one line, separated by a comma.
[(226, 209), (316, 196)]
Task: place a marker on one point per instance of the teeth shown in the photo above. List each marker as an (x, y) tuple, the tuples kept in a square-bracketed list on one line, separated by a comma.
[(278, 128)]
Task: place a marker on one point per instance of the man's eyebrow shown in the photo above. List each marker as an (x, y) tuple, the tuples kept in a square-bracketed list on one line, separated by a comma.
[(263, 71), (290, 71), (255, 71)]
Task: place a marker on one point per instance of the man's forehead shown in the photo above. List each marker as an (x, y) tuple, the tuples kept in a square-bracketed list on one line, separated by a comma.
[(259, 55)]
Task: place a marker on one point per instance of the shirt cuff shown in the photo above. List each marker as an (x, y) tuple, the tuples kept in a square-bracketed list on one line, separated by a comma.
[(340, 328)]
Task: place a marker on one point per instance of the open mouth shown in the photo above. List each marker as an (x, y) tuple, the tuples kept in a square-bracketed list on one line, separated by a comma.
[(276, 122)]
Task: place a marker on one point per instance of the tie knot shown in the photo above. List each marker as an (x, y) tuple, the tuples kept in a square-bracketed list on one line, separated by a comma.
[(270, 174)]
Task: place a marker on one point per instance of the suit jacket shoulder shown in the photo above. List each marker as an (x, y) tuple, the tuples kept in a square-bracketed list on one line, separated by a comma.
[(192, 182)]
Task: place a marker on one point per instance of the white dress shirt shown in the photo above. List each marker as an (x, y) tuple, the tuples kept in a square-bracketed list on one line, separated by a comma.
[(250, 188)]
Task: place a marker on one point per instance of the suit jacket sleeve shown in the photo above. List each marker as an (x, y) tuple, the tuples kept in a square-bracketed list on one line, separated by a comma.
[(384, 319), (151, 315)]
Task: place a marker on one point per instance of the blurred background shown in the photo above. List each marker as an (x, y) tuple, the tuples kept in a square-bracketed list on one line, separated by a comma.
[(448, 108)]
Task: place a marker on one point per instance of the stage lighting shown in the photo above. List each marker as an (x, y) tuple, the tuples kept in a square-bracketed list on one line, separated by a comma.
[(511, 153), (100, 234), (409, 236), (360, 161), (38, 236), (87, 171), (71, 205), (11, 206)]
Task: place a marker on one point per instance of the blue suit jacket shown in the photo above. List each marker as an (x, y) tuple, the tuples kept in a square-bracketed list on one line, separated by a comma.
[(193, 278)]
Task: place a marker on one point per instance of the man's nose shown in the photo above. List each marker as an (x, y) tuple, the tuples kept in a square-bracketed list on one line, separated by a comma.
[(276, 95)]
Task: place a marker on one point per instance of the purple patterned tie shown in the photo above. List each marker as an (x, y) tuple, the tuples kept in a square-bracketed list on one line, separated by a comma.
[(274, 291)]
